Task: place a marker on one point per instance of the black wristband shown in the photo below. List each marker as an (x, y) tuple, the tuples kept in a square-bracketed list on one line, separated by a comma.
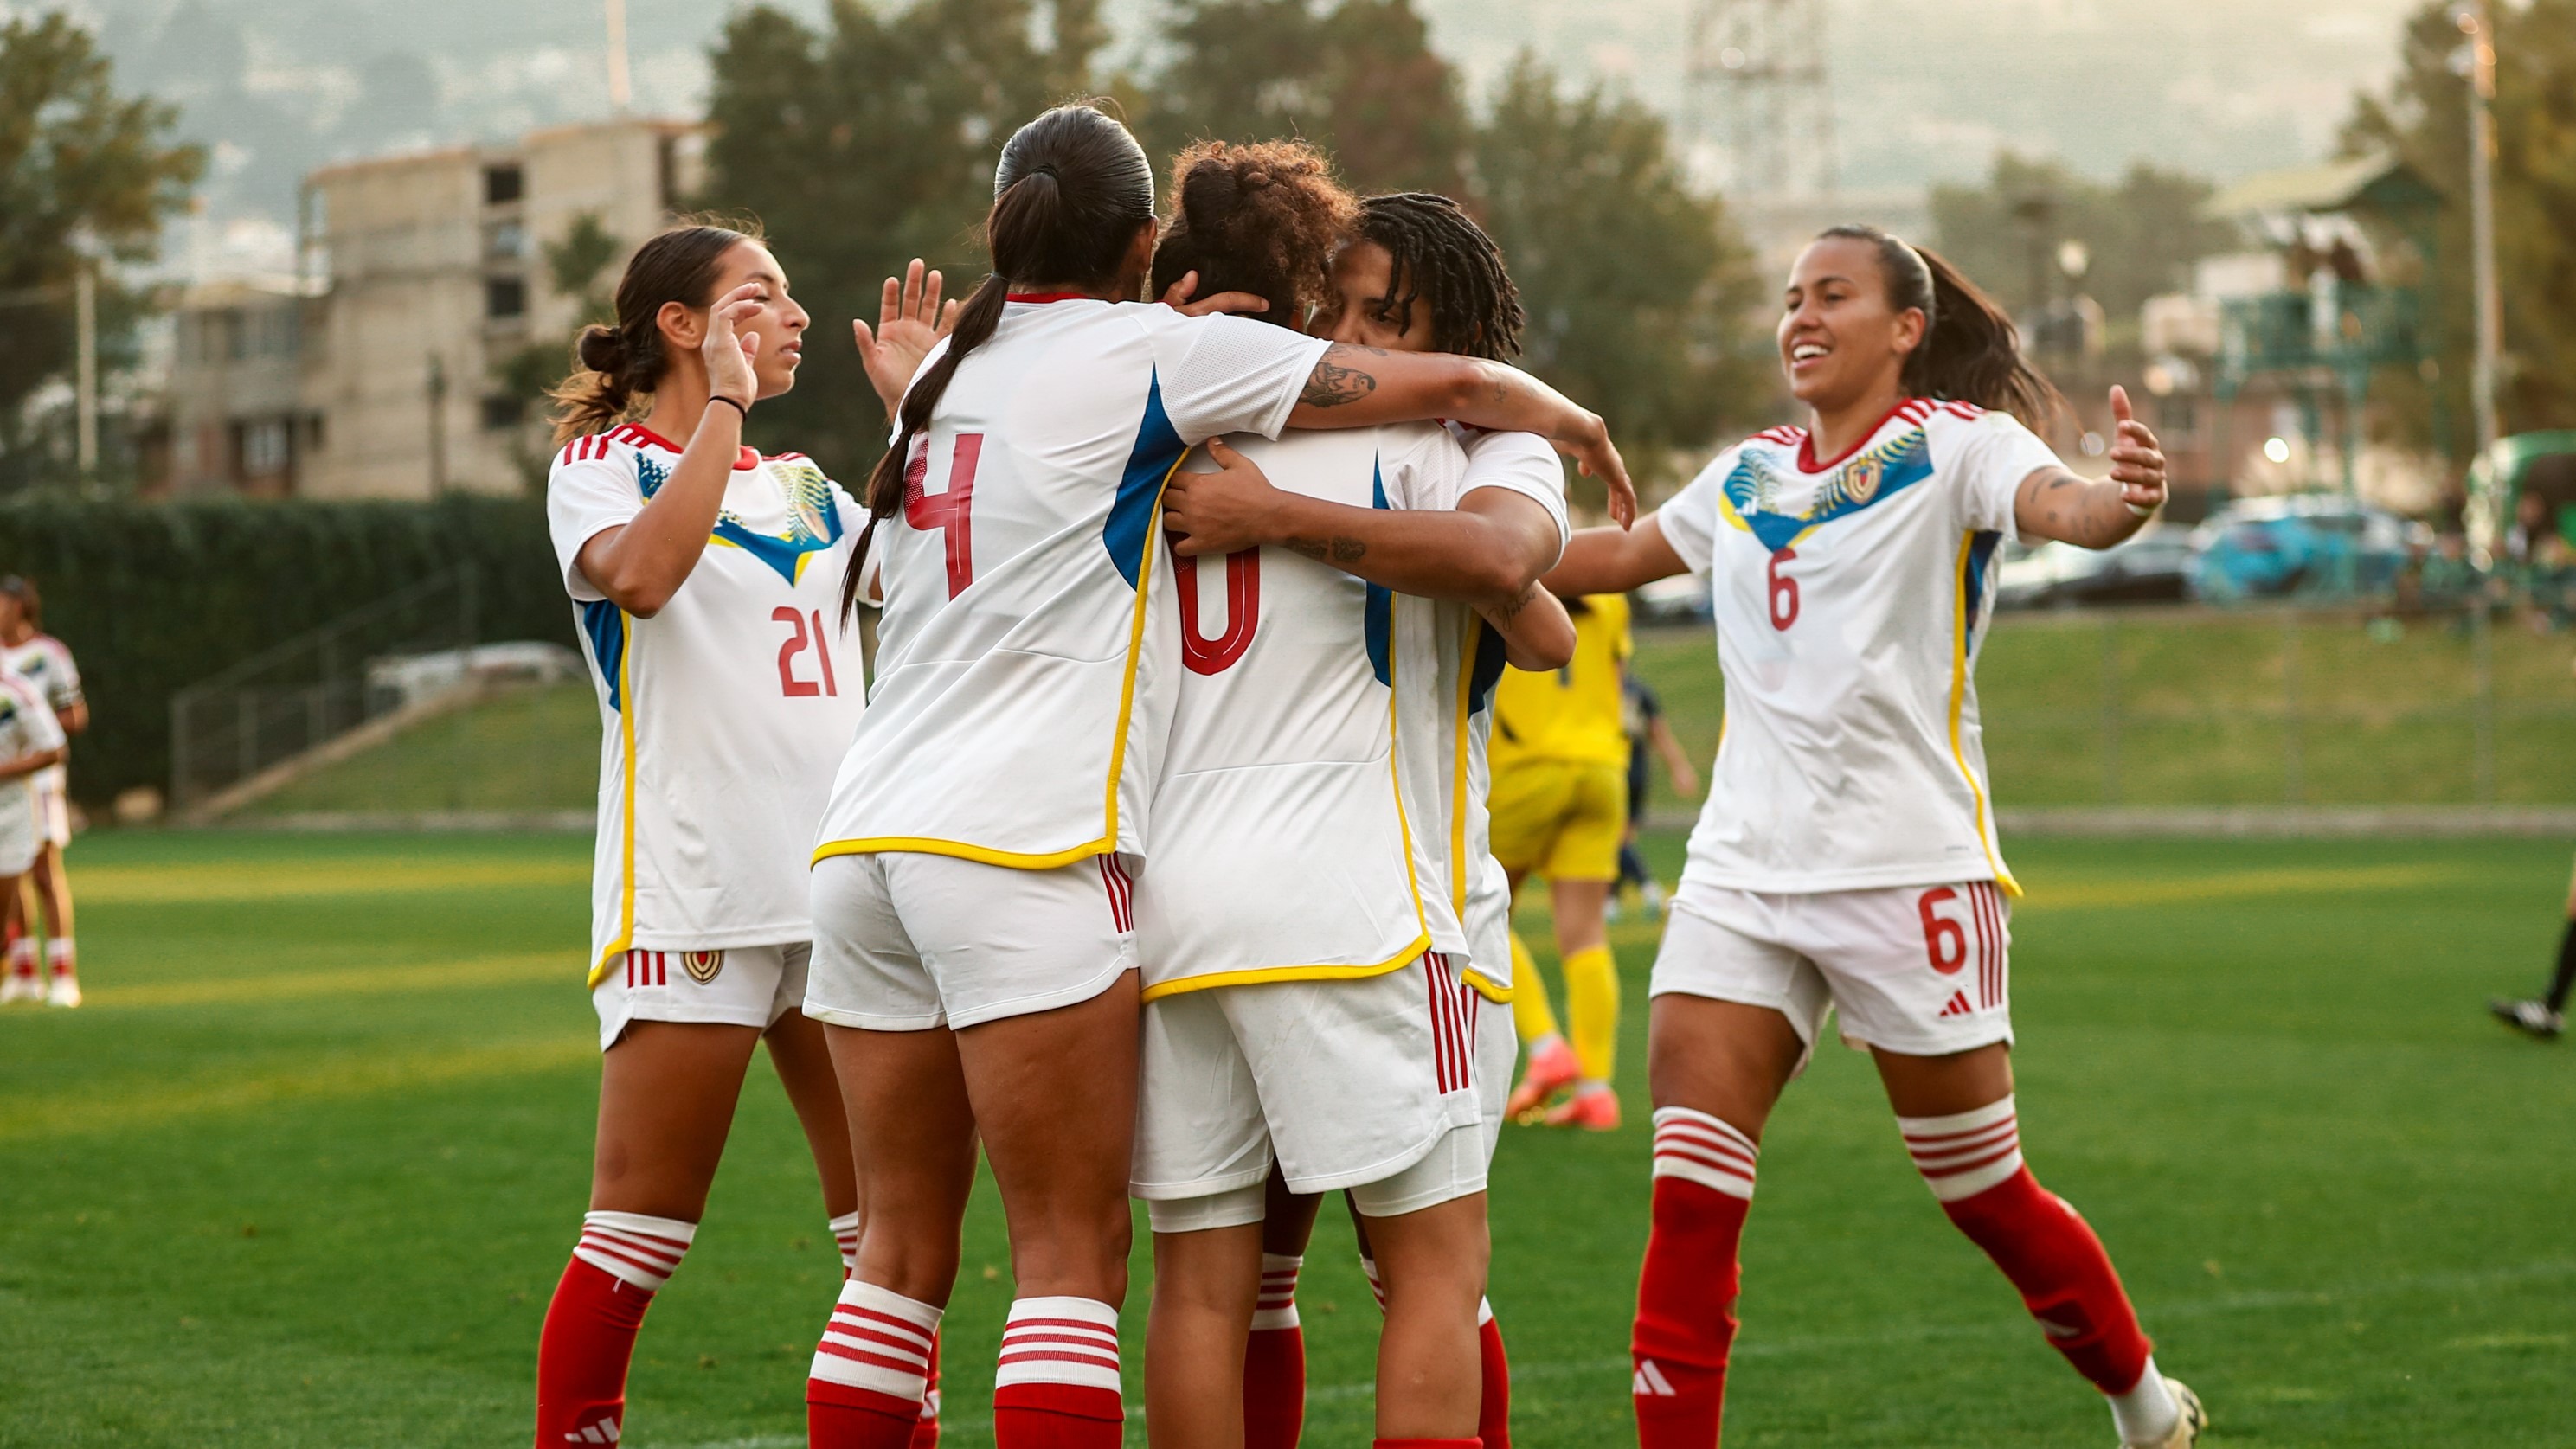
[(742, 408)]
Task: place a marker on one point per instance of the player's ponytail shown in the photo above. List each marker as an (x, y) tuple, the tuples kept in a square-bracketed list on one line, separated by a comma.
[(1069, 195), (1970, 351), (617, 364)]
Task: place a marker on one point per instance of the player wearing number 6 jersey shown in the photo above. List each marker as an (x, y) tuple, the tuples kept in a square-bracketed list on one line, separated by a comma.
[(1847, 857), (704, 580), (973, 880)]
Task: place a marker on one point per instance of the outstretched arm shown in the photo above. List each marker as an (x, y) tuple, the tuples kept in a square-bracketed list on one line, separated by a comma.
[(1614, 561), (30, 762), (2053, 503), (1358, 387)]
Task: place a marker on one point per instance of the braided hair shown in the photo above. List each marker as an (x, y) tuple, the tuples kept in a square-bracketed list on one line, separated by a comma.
[(1443, 258)]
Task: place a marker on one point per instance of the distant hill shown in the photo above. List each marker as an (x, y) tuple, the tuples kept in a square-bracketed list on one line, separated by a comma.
[(1924, 89)]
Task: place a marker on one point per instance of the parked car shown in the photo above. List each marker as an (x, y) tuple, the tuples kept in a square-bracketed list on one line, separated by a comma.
[(2150, 568), (2301, 544), (1681, 599)]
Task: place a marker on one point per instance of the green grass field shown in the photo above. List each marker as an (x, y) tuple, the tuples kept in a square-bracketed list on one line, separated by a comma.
[(306, 1168)]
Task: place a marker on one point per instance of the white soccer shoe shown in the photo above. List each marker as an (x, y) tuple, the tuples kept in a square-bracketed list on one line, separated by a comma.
[(14, 987), (64, 992), (2193, 1422)]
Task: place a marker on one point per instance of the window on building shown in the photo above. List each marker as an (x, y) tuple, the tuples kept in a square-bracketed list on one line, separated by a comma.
[(505, 241), (503, 411), (265, 447), (504, 298), (504, 184)]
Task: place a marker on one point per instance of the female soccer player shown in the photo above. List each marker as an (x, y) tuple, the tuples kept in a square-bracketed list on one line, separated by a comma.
[(1420, 276), (31, 742), (44, 661), (1323, 1023), (1846, 857), (972, 886), (703, 578)]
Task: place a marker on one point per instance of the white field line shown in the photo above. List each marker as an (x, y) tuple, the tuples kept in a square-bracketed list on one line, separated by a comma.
[(1999, 1325)]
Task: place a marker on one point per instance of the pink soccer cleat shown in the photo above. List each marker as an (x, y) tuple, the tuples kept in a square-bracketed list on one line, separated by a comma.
[(1552, 1069), (1594, 1109)]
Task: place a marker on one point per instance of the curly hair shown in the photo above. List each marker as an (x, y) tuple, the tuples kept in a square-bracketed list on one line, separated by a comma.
[(1444, 259), (1263, 218)]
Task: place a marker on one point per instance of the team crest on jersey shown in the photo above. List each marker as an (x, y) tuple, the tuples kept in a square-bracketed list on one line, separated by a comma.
[(1861, 480), (1751, 494), (702, 966)]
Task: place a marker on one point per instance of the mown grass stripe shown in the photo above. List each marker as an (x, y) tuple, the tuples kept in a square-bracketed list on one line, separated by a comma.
[(526, 968)]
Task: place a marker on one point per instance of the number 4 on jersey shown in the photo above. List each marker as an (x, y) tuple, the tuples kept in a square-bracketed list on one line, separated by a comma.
[(950, 512)]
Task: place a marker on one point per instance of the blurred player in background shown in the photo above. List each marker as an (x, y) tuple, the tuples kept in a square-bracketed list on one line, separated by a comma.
[(31, 742), (1329, 1036), (43, 660), (1560, 810), (1642, 716), (973, 882), (704, 582), (1846, 859), (2545, 1017)]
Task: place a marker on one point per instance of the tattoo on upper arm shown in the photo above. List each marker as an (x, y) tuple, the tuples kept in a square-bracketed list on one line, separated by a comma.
[(1332, 384)]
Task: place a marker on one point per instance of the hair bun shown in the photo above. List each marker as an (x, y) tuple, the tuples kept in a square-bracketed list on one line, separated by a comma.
[(602, 349)]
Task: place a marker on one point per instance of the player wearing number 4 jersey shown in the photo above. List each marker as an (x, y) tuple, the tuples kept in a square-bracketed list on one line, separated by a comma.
[(1846, 860), (974, 949), (704, 581)]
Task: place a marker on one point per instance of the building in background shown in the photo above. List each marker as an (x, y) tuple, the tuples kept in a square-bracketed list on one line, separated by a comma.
[(376, 374)]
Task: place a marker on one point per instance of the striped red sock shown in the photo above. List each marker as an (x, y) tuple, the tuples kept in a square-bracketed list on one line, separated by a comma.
[(1056, 1386), (1274, 1360), (1686, 1292), (925, 1427), (623, 1259), (1494, 1407), (870, 1380)]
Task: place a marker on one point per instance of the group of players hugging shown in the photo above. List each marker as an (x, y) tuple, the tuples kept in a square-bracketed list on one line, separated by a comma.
[(1155, 862)]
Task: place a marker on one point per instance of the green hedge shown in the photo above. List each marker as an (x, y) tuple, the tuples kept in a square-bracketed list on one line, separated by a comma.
[(152, 597)]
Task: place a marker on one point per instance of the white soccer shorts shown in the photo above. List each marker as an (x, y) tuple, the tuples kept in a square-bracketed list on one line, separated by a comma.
[(1916, 970), (54, 807), (906, 941), (22, 828), (737, 986), (1498, 1054), (1370, 1085)]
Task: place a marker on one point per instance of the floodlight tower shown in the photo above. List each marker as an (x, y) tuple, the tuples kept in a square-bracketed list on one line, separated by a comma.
[(1758, 97)]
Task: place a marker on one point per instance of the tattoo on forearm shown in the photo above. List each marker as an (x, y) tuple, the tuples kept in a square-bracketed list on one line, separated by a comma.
[(1332, 385), (1511, 608), (1337, 550)]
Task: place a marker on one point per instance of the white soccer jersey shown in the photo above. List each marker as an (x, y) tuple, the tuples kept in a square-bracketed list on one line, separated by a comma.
[(1281, 847), (723, 715), (1447, 716), (46, 662), (1851, 598), (27, 724), (1024, 672)]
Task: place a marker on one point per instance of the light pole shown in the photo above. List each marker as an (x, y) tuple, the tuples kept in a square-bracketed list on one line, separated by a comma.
[(2479, 26)]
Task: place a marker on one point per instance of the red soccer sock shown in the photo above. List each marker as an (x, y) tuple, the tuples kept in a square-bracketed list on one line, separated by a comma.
[(1274, 1360), (589, 1335), (1494, 1408), (1686, 1292), (1056, 1386), (1424, 1443), (869, 1387), (925, 1428), (1973, 1163)]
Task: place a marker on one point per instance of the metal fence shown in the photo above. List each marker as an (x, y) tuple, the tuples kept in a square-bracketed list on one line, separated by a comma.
[(229, 728)]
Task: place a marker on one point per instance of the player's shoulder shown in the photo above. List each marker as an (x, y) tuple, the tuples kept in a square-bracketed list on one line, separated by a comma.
[(617, 447)]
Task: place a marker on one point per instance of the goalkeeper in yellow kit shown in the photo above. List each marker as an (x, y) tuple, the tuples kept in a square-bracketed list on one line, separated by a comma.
[(1560, 808)]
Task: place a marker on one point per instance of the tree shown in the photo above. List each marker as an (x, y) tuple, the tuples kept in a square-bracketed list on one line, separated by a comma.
[(2141, 235), (80, 167), (2423, 121), (577, 266), (1359, 80), (1640, 291), (864, 146)]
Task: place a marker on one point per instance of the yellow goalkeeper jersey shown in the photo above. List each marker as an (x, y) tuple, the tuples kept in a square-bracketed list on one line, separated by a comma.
[(1570, 713)]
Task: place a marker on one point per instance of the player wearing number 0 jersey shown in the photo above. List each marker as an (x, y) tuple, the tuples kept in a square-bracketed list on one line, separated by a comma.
[(704, 582), (1846, 860), (973, 877)]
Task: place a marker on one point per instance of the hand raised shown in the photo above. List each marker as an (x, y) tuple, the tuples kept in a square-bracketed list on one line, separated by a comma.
[(910, 320), (1177, 297), (1596, 456), (729, 354), (2137, 462)]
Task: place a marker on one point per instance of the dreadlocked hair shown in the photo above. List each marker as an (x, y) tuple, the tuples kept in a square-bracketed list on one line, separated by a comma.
[(1970, 350), (1443, 258), (617, 365), (1262, 218), (1070, 194)]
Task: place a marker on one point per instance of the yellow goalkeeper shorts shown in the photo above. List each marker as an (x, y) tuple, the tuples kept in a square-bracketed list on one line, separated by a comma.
[(1562, 819)]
